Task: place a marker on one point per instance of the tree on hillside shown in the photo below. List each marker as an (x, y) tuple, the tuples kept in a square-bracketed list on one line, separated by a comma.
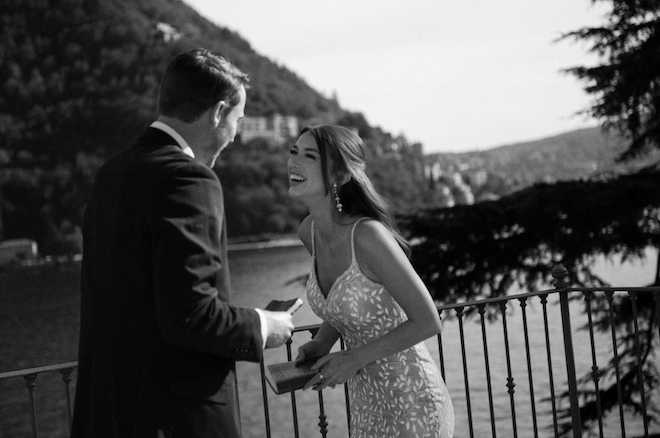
[(482, 250), (626, 84)]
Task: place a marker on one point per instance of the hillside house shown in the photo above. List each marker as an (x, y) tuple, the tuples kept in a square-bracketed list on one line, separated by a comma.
[(277, 128), (16, 251)]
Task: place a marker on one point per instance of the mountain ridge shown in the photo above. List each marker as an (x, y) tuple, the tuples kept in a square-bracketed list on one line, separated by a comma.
[(472, 176)]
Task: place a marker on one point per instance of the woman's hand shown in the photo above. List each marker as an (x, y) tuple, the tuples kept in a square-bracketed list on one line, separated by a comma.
[(312, 350), (334, 369)]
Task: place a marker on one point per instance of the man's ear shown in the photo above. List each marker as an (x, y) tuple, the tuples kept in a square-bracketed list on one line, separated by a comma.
[(217, 113)]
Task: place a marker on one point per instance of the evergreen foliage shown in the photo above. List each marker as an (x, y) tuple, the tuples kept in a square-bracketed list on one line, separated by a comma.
[(626, 83), (482, 250)]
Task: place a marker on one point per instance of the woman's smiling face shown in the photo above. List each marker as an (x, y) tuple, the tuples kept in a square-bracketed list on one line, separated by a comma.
[(305, 172)]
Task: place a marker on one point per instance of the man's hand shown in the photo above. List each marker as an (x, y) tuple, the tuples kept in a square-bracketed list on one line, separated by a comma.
[(279, 326)]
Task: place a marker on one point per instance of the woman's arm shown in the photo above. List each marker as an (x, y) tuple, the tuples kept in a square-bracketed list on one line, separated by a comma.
[(320, 345), (383, 261)]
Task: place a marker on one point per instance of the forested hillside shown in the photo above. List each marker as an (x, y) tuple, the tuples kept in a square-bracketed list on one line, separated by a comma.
[(78, 81)]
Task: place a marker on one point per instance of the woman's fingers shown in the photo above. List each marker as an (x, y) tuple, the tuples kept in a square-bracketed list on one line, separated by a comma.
[(315, 381)]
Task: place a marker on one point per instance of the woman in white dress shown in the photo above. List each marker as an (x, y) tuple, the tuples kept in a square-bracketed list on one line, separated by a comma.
[(364, 288)]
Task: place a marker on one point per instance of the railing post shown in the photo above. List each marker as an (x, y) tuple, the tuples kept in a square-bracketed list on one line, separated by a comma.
[(30, 383), (66, 378), (323, 423), (510, 379), (264, 395), (466, 377), (294, 405), (544, 304), (348, 402), (484, 337), (560, 273)]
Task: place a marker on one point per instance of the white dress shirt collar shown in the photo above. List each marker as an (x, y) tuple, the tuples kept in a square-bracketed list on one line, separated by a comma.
[(175, 135)]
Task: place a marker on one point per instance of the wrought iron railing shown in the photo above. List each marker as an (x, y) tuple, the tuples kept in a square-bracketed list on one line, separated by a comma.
[(546, 366), (30, 376), (523, 373)]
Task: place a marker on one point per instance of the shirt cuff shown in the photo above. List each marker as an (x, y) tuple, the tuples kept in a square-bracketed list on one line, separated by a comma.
[(264, 327)]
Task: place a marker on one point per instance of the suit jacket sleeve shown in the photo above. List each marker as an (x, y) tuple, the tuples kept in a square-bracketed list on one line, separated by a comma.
[(190, 271)]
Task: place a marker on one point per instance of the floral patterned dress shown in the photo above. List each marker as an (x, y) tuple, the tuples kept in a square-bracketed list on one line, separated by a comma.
[(401, 395)]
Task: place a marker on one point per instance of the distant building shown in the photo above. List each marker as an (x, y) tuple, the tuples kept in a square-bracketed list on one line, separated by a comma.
[(478, 178), (277, 128), (17, 251), (433, 172), (167, 32)]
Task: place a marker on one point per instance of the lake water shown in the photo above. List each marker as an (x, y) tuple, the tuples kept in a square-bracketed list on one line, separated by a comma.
[(39, 326)]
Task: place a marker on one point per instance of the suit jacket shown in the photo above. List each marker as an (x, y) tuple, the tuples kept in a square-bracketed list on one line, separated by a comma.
[(158, 336)]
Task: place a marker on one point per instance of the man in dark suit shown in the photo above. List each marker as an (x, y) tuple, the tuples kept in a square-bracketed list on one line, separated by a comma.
[(158, 336)]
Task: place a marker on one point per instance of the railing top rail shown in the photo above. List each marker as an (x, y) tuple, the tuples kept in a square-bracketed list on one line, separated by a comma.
[(310, 327), (37, 370), (494, 300)]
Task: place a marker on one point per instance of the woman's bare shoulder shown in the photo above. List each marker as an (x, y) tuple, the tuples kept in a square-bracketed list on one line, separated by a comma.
[(370, 233), (375, 244)]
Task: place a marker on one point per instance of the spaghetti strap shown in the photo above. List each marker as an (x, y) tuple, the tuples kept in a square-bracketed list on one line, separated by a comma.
[(313, 244), (353, 258)]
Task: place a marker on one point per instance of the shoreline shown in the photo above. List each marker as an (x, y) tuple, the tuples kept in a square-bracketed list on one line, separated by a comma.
[(236, 244), (265, 244)]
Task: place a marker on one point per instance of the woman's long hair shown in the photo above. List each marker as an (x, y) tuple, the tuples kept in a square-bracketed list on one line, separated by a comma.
[(358, 196)]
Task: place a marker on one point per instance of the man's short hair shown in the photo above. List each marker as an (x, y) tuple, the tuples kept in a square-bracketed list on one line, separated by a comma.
[(195, 81)]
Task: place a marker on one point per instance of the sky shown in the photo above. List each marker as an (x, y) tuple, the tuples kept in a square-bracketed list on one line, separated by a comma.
[(454, 75)]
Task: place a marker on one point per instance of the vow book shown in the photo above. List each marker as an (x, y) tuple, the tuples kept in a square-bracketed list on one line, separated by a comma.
[(288, 376), (285, 305)]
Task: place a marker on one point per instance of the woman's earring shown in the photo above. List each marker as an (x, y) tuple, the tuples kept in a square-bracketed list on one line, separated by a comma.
[(340, 207)]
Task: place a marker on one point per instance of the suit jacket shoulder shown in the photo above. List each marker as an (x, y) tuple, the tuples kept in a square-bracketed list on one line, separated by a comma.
[(162, 213)]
